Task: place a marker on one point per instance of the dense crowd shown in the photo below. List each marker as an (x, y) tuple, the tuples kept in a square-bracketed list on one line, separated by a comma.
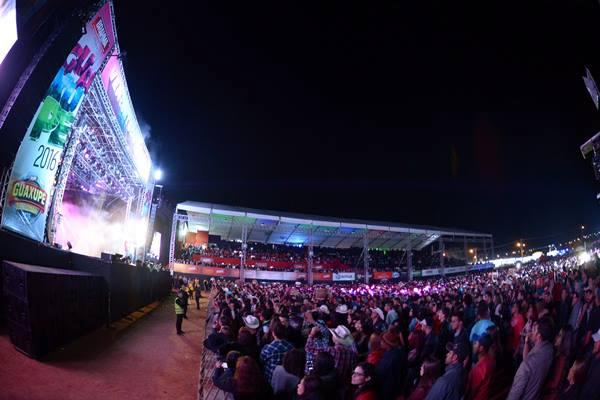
[(379, 260), (521, 333)]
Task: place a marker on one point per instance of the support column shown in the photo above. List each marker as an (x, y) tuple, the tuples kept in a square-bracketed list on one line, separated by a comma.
[(244, 249), (366, 256), (409, 262), (485, 248), (309, 271), (442, 260), (466, 251), (492, 245)]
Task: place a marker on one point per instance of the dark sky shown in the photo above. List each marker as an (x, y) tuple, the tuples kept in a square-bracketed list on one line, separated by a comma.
[(464, 115)]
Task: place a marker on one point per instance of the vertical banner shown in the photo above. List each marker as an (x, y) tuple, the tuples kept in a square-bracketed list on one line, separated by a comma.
[(35, 168)]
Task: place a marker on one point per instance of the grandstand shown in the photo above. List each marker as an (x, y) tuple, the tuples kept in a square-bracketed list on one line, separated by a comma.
[(194, 222)]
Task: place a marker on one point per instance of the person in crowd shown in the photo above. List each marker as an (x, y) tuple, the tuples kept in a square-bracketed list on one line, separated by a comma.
[(310, 388), (392, 368), (445, 332), (376, 351), (343, 352), (224, 371), (248, 381), (458, 328), (197, 294), (451, 385), (324, 369), (532, 372), (391, 314), (563, 308), (247, 343), (186, 297), (483, 322), (361, 334), (517, 322), (318, 337), (378, 320), (480, 377), (592, 381), (179, 312), (272, 354), (575, 381), (286, 377), (363, 378), (576, 308), (562, 356), (589, 318), (431, 369), (430, 343)]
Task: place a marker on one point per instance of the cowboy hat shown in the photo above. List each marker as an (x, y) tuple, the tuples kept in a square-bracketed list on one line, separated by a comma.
[(379, 312), (251, 321), (342, 335), (341, 309)]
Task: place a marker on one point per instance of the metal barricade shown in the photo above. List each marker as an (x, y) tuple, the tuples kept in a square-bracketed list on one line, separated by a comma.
[(206, 389)]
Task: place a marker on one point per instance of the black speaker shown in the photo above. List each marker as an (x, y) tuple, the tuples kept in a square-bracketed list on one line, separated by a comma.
[(48, 307)]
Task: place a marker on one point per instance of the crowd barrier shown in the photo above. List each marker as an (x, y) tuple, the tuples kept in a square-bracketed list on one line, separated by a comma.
[(206, 389)]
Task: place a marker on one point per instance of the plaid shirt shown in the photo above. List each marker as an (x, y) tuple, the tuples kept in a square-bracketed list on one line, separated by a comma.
[(345, 360), (272, 356), (313, 347)]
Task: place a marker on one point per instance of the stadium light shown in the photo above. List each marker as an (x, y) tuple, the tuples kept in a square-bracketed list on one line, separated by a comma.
[(158, 174)]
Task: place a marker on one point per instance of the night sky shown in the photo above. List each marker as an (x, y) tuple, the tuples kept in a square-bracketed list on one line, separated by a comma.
[(462, 115)]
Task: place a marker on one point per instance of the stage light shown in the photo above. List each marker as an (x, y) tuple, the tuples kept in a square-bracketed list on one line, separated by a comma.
[(158, 174)]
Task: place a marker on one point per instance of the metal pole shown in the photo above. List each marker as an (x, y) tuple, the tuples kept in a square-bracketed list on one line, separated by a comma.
[(244, 249), (366, 255), (442, 261), (309, 270), (492, 246), (466, 250), (409, 262), (485, 248)]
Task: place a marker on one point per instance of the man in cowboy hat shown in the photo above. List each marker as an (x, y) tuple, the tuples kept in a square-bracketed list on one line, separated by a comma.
[(343, 351), (378, 320)]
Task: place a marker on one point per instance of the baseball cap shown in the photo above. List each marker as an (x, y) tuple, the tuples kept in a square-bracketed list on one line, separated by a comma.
[(485, 340), (460, 349)]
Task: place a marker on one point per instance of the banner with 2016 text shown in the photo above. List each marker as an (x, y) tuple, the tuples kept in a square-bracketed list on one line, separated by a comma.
[(34, 174)]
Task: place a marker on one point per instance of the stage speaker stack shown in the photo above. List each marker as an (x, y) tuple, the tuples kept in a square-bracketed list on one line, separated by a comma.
[(48, 307)]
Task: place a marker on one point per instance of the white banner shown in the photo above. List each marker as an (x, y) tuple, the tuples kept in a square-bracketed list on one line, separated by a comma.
[(343, 276)]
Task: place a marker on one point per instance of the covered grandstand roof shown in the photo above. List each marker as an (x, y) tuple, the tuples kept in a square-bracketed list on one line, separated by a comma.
[(272, 227)]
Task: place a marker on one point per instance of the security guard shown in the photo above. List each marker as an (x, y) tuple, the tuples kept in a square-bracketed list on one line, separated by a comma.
[(179, 311)]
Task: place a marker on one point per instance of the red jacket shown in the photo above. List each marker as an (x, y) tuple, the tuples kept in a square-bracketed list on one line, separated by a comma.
[(367, 395), (480, 377)]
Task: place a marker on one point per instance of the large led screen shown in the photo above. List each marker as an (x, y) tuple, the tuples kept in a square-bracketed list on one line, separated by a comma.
[(8, 27)]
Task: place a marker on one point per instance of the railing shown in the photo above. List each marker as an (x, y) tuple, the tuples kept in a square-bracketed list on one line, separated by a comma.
[(206, 389)]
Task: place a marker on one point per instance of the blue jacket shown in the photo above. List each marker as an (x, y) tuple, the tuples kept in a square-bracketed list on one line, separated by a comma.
[(450, 386)]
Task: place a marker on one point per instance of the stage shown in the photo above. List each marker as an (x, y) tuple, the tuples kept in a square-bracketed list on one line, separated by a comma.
[(139, 357)]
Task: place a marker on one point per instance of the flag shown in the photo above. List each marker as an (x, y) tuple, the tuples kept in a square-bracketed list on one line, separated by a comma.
[(591, 86)]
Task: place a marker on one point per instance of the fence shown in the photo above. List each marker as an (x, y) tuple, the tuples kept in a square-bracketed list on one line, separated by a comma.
[(206, 389)]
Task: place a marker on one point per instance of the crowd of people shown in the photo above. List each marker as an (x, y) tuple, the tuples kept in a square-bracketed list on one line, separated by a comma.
[(520, 333), (334, 260)]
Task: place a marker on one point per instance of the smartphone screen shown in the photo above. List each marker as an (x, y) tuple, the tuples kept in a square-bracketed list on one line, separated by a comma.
[(224, 365)]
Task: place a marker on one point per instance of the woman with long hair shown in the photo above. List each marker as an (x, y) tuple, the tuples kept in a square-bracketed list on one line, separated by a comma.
[(363, 377), (287, 376), (248, 381), (430, 371), (310, 388)]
